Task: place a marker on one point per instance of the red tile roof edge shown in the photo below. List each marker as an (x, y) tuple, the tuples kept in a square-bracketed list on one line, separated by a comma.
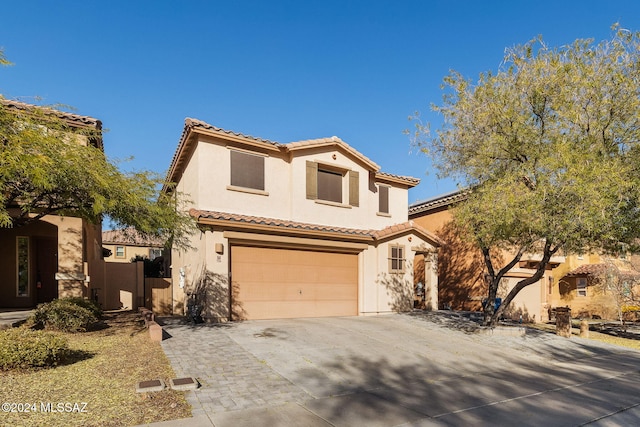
[(84, 120), (390, 231)]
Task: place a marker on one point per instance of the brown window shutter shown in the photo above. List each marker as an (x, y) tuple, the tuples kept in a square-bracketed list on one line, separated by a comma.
[(354, 188), (312, 180), (383, 199)]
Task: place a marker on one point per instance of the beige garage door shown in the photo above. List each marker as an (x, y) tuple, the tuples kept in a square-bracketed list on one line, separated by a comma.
[(286, 283)]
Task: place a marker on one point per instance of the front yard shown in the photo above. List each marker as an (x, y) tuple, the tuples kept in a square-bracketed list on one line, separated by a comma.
[(98, 388)]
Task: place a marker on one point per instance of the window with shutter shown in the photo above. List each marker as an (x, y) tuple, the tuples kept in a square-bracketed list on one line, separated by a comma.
[(330, 183)]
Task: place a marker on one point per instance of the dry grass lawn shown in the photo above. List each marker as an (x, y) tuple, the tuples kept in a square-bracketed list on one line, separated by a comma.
[(593, 335), (110, 362)]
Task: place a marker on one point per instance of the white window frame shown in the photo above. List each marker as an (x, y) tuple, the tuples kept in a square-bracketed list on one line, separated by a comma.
[(124, 252), (581, 286)]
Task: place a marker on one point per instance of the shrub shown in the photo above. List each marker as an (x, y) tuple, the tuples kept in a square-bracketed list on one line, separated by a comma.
[(67, 314), (90, 305), (23, 348)]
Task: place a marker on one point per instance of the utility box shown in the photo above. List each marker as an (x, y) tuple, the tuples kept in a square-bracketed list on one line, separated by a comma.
[(563, 322)]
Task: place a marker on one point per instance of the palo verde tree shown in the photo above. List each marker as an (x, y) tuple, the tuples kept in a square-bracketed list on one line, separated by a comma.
[(53, 165), (549, 149)]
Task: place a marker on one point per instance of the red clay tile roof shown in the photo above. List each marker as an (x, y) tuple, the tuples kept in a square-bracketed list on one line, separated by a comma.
[(374, 235), (130, 237), (587, 270), (192, 123), (285, 224), (75, 118), (596, 269), (437, 202), (334, 140), (409, 179)]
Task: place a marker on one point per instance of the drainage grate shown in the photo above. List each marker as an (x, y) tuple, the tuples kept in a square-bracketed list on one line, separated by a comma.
[(151, 385), (187, 383)]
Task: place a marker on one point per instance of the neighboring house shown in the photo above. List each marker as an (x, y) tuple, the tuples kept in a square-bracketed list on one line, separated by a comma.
[(581, 288), (125, 245), (305, 229), (461, 269), (55, 256)]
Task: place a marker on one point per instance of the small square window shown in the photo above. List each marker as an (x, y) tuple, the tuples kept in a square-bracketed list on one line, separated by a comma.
[(120, 252), (247, 170), (396, 259)]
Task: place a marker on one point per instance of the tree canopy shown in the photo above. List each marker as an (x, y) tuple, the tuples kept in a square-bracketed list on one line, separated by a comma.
[(549, 150), (53, 163)]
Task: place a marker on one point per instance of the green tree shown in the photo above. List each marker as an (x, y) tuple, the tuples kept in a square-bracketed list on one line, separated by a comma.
[(549, 148), (54, 165)]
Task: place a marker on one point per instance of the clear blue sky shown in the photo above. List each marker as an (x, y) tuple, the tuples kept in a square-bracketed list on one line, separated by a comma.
[(281, 70)]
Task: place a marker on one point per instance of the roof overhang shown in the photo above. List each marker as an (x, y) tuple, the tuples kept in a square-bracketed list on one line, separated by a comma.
[(194, 128), (243, 223)]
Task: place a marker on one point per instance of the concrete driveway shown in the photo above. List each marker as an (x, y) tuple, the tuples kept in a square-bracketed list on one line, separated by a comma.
[(420, 369)]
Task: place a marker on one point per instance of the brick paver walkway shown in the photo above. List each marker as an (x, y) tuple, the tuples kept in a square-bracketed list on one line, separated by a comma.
[(231, 378)]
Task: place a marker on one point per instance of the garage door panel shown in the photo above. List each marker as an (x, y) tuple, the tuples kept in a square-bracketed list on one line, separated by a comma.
[(284, 283), (271, 310)]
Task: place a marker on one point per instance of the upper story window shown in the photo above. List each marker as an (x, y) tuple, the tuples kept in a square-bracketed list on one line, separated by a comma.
[(120, 252), (247, 170), (383, 199), (332, 184), (581, 286), (329, 185), (396, 258)]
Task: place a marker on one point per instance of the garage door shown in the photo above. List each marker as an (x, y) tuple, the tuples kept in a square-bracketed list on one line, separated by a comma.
[(273, 283)]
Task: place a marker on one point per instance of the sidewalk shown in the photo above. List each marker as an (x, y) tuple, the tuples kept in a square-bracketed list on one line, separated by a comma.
[(12, 317)]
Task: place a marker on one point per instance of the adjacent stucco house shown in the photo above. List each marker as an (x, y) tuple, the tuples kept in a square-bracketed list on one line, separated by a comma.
[(55, 256), (304, 229), (125, 245), (461, 270), (586, 284)]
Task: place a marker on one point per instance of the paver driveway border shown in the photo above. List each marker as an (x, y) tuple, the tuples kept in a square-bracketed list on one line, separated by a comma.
[(417, 369)]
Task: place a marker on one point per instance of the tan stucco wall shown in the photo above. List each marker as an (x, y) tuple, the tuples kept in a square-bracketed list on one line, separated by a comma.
[(79, 263), (378, 291), (206, 179)]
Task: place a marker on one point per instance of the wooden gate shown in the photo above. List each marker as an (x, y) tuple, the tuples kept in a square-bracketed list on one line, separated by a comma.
[(159, 295)]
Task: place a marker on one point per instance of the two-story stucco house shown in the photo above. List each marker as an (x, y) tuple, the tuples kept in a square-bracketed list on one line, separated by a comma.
[(55, 256), (304, 229)]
